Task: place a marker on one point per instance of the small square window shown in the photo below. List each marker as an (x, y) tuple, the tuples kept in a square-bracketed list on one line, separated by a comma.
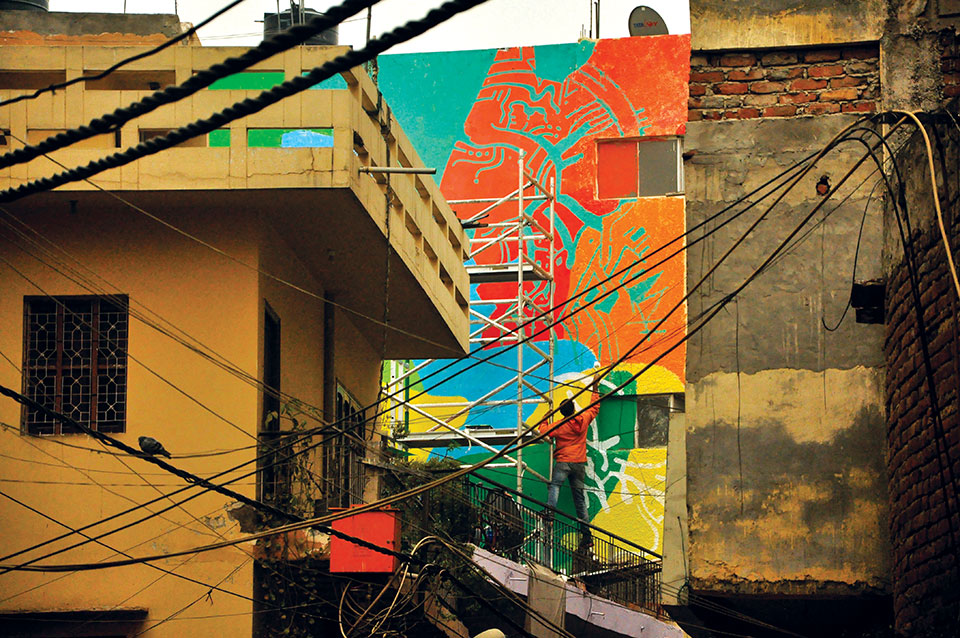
[(75, 362), (645, 167)]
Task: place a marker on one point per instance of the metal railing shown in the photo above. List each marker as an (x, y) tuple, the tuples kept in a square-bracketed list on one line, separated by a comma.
[(518, 527)]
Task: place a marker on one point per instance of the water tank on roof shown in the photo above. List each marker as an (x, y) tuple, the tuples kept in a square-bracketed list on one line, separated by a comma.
[(274, 23), (28, 5)]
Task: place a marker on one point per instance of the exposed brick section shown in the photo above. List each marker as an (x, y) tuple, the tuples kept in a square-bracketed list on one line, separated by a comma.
[(950, 63), (924, 516), (839, 95), (788, 83), (825, 108), (859, 107), (776, 58)]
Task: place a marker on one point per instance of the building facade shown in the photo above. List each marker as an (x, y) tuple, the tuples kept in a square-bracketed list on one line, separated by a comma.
[(602, 121), (817, 455), (218, 296)]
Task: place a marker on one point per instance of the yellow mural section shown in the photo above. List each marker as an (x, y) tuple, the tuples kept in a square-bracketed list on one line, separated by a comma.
[(427, 403), (634, 508)]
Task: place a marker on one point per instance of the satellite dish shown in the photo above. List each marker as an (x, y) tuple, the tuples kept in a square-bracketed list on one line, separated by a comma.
[(646, 21)]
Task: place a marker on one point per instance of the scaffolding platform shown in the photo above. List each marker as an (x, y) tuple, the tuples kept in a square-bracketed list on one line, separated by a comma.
[(508, 247), (502, 273), (465, 437)]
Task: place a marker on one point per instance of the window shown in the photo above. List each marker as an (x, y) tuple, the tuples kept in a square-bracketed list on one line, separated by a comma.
[(75, 362), (653, 418), (343, 454), (274, 465), (630, 168)]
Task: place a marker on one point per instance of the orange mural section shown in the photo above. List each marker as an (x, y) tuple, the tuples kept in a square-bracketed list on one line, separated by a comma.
[(625, 90), (617, 319)]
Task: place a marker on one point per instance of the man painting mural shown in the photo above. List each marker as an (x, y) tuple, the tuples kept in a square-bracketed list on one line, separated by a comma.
[(570, 454)]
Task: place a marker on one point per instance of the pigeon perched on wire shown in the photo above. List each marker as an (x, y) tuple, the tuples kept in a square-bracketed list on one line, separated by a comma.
[(152, 447)]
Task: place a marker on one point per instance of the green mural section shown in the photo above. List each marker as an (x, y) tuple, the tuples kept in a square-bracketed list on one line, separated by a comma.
[(473, 115), (433, 96)]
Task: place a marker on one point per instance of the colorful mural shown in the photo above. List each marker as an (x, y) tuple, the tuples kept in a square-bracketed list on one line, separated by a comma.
[(471, 114)]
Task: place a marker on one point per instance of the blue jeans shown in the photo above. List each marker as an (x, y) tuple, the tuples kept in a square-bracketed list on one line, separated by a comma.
[(577, 472)]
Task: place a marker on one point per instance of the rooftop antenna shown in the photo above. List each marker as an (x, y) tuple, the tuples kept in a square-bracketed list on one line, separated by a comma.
[(597, 16)]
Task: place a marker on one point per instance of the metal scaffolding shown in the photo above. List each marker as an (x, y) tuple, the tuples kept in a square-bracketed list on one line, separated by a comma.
[(516, 239)]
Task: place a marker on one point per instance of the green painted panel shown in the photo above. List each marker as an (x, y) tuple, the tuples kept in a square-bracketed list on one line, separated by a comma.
[(288, 138), (219, 138), (263, 80)]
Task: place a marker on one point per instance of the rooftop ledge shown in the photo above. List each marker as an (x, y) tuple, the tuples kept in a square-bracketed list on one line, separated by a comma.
[(322, 201)]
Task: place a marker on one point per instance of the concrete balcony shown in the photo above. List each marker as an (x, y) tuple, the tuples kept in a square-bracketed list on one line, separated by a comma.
[(333, 215)]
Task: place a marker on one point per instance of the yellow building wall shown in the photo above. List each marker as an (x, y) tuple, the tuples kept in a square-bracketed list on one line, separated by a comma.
[(209, 298)]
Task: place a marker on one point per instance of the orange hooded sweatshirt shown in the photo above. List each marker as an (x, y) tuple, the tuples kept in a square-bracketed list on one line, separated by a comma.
[(571, 435)]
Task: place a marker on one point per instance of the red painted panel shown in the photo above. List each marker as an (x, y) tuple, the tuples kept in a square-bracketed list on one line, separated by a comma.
[(617, 170), (380, 527)]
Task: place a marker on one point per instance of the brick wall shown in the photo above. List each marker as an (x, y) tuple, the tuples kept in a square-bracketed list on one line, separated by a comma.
[(950, 63), (925, 564), (785, 83)]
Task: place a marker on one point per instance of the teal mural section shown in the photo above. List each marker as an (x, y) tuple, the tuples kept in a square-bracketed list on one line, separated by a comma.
[(431, 96)]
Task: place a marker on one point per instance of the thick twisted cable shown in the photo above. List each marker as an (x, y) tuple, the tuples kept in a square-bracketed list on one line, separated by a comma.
[(122, 63), (268, 48), (247, 106), (187, 476)]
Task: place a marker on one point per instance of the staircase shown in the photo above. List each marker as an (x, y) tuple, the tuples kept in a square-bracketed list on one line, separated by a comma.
[(520, 528)]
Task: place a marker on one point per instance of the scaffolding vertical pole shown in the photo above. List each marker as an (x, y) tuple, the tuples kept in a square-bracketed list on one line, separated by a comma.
[(521, 247), (551, 335)]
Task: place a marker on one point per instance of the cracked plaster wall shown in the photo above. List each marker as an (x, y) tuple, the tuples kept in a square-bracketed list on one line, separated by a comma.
[(723, 24), (772, 397)]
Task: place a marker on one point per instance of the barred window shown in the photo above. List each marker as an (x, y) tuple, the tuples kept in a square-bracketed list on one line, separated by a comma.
[(75, 362), (343, 454)]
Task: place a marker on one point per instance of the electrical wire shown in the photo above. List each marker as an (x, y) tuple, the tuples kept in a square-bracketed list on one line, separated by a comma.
[(229, 575), (497, 456), (165, 571), (130, 548), (785, 172), (55, 441), (106, 488), (936, 197), (240, 109), (853, 276), (122, 63)]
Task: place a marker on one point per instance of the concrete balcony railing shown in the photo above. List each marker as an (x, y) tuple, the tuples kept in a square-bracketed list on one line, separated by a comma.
[(321, 198)]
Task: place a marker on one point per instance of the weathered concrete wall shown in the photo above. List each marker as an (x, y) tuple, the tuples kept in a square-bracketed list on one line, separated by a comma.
[(675, 541), (923, 429), (36, 27), (784, 423), (725, 24)]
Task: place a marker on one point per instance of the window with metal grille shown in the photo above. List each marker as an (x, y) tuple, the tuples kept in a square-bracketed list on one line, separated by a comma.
[(275, 466), (75, 362), (343, 454)]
